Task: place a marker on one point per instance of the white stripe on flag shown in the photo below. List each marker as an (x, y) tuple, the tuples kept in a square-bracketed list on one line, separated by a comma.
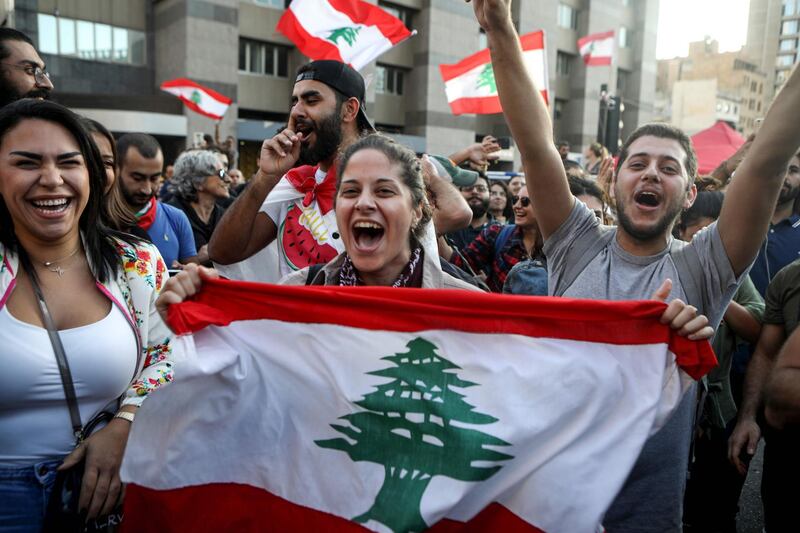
[(208, 103)]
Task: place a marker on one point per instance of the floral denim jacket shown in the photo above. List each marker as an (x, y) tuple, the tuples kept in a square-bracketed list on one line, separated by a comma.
[(133, 290)]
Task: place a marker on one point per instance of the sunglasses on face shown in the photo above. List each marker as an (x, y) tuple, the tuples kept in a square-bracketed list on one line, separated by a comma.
[(222, 173), (524, 200)]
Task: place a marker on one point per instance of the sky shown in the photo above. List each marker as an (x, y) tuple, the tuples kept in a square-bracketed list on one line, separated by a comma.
[(683, 21)]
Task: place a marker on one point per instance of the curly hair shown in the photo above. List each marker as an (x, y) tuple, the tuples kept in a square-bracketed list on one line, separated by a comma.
[(191, 170), (410, 172)]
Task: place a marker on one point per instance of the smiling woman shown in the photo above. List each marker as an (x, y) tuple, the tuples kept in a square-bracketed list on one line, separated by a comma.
[(68, 286)]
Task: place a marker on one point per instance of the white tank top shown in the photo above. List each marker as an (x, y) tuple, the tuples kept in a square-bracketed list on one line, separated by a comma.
[(34, 418)]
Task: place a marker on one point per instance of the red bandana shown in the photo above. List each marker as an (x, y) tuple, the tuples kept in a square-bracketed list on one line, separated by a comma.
[(147, 219), (303, 180)]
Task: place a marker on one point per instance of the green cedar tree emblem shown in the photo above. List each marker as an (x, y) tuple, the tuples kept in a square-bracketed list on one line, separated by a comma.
[(413, 452), (348, 34), (196, 97), (486, 78)]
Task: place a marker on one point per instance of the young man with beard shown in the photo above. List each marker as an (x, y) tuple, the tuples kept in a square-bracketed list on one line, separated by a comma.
[(652, 183), (139, 175), (477, 197), (22, 71), (782, 244), (295, 203)]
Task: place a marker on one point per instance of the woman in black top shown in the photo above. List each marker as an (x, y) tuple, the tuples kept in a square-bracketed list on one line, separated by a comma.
[(199, 181)]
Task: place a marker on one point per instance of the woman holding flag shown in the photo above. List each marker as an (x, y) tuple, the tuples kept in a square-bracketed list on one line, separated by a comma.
[(79, 335)]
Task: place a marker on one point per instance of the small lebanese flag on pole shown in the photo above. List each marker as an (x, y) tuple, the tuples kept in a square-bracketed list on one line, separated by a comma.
[(377, 409), (470, 83), (199, 99), (597, 49), (350, 31)]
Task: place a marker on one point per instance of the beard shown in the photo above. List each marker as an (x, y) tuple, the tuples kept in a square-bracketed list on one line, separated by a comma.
[(478, 209), (9, 94), (136, 201), (329, 136), (661, 227), (788, 194)]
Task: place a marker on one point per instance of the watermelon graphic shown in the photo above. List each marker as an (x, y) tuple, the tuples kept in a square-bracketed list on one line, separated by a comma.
[(299, 243)]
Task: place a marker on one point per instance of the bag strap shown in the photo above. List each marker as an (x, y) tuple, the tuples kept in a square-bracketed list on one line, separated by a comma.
[(502, 239), (313, 271), (578, 257), (61, 358)]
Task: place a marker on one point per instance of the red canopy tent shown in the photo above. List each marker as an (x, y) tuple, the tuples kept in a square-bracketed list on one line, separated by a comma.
[(714, 145)]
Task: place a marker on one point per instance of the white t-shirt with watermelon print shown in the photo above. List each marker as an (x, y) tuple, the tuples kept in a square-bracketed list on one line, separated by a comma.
[(305, 235)]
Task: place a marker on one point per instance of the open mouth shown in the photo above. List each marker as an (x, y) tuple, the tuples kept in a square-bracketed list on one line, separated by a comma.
[(647, 199), (306, 129), (51, 206), (367, 235)]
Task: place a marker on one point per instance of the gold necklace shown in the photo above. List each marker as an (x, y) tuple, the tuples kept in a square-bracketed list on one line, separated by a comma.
[(49, 265)]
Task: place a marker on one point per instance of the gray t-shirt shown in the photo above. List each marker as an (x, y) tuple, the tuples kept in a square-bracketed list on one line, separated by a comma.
[(652, 497)]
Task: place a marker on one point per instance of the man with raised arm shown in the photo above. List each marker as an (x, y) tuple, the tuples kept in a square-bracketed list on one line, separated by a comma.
[(652, 183), (326, 115)]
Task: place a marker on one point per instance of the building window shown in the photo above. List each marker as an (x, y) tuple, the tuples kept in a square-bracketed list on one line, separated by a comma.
[(784, 61), (789, 27), (272, 3), (389, 80), (788, 45), (558, 108), (789, 8), (623, 81), (753, 86), (567, 17), (563, 64), (623, 37), (258, 57), (90, 40), (403, 13)]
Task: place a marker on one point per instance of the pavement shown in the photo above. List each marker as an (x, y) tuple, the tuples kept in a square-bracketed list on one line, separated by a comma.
[(751, 514)]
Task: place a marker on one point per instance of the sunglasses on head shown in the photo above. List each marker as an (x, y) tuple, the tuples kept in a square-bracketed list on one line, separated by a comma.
[(524, 200)]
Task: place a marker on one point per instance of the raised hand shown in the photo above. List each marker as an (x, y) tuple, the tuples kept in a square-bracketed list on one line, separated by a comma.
[(280, 153), (492, 14)]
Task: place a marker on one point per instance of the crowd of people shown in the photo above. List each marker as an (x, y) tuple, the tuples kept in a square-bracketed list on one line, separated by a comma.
[(98, 237)]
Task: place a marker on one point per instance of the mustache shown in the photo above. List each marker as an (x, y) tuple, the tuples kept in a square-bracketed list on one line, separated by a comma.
[(38, 93)]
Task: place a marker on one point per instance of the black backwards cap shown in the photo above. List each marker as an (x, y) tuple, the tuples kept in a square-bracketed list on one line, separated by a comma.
[(344, 79)]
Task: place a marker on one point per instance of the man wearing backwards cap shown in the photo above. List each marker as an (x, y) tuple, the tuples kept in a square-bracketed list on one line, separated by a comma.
[(295, 203)]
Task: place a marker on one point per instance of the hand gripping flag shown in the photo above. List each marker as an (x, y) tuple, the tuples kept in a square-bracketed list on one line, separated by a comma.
[(371, 408), (597, 49), (351, 31), (470, 84), (199, 99)]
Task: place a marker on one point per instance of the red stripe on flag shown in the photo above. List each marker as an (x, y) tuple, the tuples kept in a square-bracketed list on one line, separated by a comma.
[(242, 508), (310, 46), (592, 61), (363, 13), (221, 302), (184, 82), (481, 105)]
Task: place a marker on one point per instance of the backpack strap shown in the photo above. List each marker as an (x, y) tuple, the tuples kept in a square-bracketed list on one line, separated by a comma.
[(313, 273), (578, 257), (502, 238)]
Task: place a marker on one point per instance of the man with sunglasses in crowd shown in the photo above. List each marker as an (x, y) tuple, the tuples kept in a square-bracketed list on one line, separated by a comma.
[(22, 71)]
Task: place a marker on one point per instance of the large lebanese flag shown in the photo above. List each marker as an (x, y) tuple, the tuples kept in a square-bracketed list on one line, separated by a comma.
[(597, 49), (199, 99), (470, 84), (370, 408), (351, 31)]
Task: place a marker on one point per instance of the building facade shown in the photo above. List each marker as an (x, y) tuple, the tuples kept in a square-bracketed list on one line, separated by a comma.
[(108, 58), (708, 85), (773, 31)]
